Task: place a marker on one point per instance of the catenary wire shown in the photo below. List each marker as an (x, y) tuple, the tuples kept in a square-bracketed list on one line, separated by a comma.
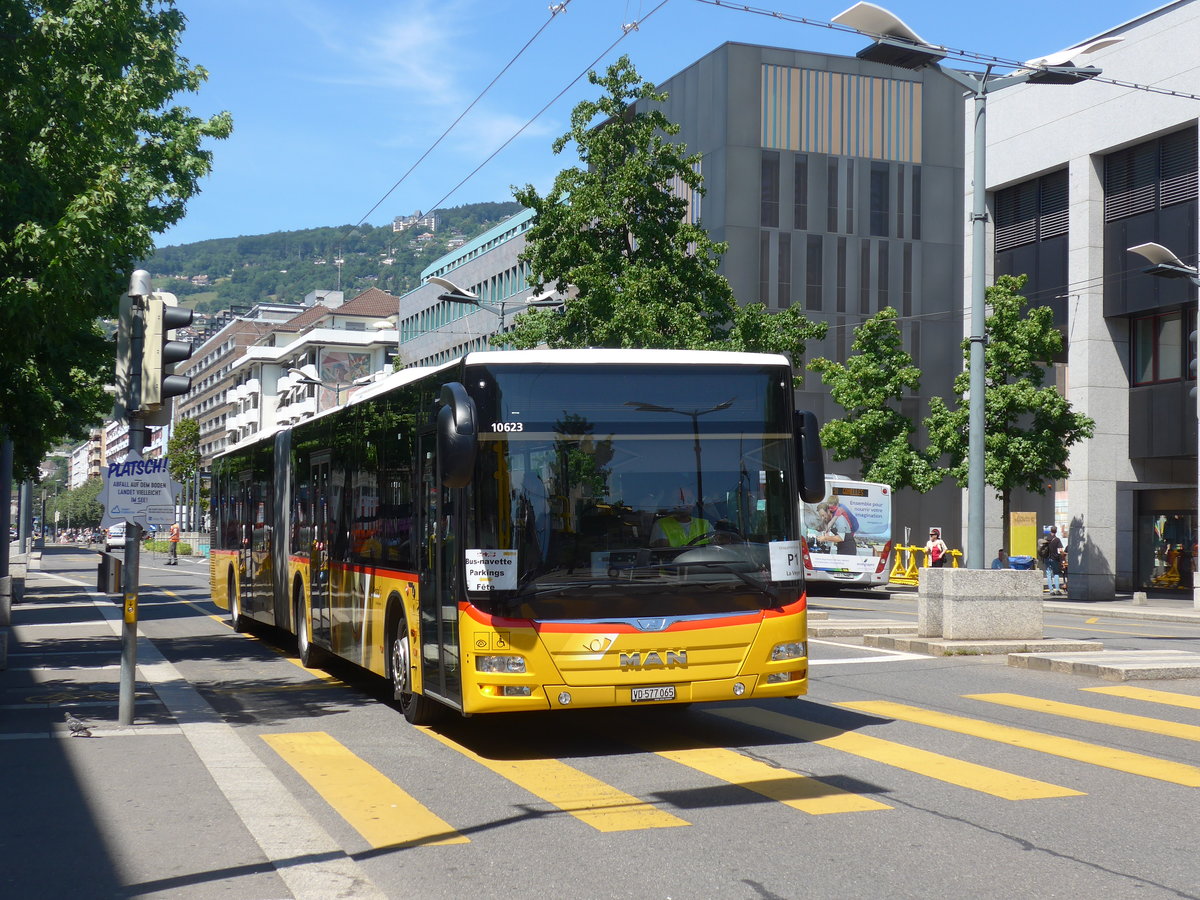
[(554, 11), (626, 30), (948, 52)]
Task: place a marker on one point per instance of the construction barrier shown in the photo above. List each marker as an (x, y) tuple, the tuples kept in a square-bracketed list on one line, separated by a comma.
[(906, 567)]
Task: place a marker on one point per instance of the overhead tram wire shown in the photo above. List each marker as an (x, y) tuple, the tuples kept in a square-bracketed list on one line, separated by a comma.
[(555, 9), (948, 52), (626, 31)]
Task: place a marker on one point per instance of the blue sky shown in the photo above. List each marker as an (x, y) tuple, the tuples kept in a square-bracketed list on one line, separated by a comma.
[(334, 100)]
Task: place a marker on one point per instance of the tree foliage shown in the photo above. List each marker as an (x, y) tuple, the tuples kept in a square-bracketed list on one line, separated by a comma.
[(869, 387), (611, 236), (94, 160), (1029, 427), (183, 450), (284, 266)]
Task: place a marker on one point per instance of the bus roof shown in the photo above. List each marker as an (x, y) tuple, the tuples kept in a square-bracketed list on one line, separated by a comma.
[(634, 357)]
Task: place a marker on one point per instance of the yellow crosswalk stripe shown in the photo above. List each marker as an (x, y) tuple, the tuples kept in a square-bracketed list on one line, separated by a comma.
[(924, 762), (1068, 748), (800, 792), (1090, 714), (378, 809), (588, 799), (1168, 698)]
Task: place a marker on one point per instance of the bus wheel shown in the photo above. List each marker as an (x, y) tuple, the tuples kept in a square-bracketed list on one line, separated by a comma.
[(417, 709), (236, 621), (310, 656)]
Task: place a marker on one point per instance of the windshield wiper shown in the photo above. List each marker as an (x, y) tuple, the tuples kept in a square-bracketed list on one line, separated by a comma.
[(757, 586)]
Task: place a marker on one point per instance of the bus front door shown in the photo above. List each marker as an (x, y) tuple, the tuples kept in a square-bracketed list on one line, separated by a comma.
[(318, 565), (440, 549)]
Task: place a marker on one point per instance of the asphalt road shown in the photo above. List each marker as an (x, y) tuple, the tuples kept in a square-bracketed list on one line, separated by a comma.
[(897, 777)]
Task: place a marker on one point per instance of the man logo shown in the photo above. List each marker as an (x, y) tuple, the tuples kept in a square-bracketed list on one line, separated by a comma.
[(654, 659)]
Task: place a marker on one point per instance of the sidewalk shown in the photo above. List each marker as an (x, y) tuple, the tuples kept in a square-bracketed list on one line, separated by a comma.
[(1165, 606), (177, 805)]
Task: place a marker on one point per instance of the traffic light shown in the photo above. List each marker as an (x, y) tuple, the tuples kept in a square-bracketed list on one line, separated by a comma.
[(160, 353), (124, 366)]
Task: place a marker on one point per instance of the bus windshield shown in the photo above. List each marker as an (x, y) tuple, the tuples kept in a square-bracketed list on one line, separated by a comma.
[(608, 492)]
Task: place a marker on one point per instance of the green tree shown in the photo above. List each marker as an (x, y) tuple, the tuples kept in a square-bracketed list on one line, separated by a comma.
[(183, 450), (869, 387), (1029, 427), (93, 161), (611, 234)]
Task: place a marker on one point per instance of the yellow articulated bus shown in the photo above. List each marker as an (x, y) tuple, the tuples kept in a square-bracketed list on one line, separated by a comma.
[(532, 530)]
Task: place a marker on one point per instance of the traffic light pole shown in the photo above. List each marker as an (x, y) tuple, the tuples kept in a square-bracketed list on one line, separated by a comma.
[(139, 292)]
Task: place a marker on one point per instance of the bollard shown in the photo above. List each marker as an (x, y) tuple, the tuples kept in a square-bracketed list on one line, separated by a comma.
[(1139, 598)]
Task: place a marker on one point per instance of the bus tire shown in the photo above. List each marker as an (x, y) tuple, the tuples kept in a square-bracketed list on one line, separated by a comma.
[(236, 620), (417, 709), (310, 656)]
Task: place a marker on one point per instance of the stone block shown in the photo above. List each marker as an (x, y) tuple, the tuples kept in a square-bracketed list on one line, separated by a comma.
[(991, 604), (929, 602)]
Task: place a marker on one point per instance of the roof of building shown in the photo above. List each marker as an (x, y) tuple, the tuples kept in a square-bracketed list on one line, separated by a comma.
[(371, 302)]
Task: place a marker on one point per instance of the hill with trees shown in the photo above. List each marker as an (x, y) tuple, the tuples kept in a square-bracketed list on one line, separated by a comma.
[(284, 266)]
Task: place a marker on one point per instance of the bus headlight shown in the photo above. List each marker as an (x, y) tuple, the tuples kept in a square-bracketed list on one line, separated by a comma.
[(513, 665), (790, 650)]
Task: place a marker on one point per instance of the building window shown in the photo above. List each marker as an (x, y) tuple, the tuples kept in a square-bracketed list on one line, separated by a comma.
[(764, 268), (834, 197), (769, 207), (800, 195), (880, 205), (785, 269), (1160, 348), (813, 274)]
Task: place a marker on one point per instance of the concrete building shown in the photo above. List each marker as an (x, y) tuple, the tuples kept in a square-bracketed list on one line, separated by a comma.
[(341, 346), (1076, 175), (432, 330), (210, 366), (838, 185)]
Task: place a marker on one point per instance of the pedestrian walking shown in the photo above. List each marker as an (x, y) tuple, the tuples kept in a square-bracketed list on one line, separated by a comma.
[(1050, 551), (174, 560)]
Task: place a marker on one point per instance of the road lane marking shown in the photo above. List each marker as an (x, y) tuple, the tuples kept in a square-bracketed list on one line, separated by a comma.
[(377, 808), (1092, 621), (809, 795), (1068, 748), (1090, 714), (1168, 698), (586, 798), (958, 772), (881, 655)]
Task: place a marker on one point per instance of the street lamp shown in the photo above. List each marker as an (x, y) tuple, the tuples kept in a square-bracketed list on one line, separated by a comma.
[(694, 415), (898, 45), (455, 294), (1165, 264)]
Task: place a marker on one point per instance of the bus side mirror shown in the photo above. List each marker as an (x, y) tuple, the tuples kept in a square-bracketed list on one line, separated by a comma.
[(457, 435), (809, 457)]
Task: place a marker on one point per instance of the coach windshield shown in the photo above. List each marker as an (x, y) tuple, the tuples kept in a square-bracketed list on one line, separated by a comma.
[(610, 492)]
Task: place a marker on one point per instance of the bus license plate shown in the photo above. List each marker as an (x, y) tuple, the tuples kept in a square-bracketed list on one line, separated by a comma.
[(639, 694)]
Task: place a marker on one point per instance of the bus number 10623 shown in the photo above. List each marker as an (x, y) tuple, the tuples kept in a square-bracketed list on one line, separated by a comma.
[(508, 426)]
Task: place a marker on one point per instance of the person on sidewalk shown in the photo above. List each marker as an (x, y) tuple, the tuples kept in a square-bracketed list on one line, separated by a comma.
[(1001, 561), (1050, 555), (935, 549), (174, 560)]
